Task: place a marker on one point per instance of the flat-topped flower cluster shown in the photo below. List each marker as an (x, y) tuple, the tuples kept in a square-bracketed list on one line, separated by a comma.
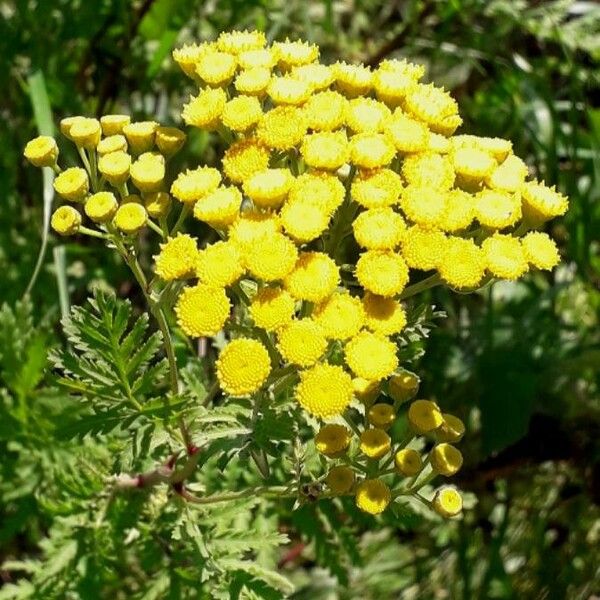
[(339, 183)]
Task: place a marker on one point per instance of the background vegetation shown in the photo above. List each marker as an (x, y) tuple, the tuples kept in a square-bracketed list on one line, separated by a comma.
[(519, 362)]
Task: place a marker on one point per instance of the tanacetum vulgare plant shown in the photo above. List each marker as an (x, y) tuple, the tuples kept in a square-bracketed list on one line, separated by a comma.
[(341, 195)]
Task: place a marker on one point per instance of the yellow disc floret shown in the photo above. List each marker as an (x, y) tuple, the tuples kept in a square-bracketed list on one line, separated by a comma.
[(403, 386), (271, 257), (333, 440), (192, 185), (219, 208), (366, 115), (375, 442), (269, 188), (216, 68), (504, 256), (445, 459), (324, 390), (424, 205), (304, 220), (462, 263), (241, 113), (382, 415), (219, 264), (113, 124), (497, 210), (371, 356), (130, 217), (314, 277), (202, 310), (301, 343), (371, 150), (379, 229), (540, 250), (376, 188), (373, 496), (382, 272), (66, 220), (272, 308), (424, 416), (115, 167), (340, 479), (282, 127), (340, 316), (244, 158), (148, 172), (325, 150), (541, 202), (42, 151), (177, 257), (72, 184), (408, 462), (205, 109), (243, 367), (325, 111), (423, 248), (447, 502), (383, 315), (101, 207), (452, 429), (140, 136)]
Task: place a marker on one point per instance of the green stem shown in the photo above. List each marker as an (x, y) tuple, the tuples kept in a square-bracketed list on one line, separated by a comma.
[(421, 286), (185, 211), (93, 233), (272, 491), (155, 228), (94, 169)]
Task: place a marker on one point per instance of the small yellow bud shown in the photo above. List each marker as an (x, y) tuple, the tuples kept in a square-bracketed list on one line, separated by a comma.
[(115, 167), (130, 217), (382, 415), (340, 479), (101, 207), (373, 496), (72, 184), (408, 462), (112, 143), (446, 459), (86, 133), (452, 429), (366, 391), (113, 124), (67, 123), (140, 136), (403, 386), (169, 140), (42, 151), (424, 416), (375, 443), (157, 204), (148, 172), (447, 502), (66, 220), (333, 440)]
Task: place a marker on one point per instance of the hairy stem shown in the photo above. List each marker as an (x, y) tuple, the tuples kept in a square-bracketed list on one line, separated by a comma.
[(421, 286)]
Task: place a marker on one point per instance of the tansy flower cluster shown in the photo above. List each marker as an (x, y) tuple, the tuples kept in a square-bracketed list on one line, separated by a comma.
[(338, 185)]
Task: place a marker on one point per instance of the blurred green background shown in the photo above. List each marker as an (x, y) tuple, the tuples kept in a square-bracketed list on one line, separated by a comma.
[(520, 362)]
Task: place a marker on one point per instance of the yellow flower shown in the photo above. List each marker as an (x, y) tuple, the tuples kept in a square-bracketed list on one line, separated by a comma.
[(445, 459), (319, 187), (423, 248), (462, 263), (140, 136), (473, 164), (382, 415), (325, 150), (509, 176), (219, 208), (371, 150), (115, 167), (72, 184), (289, 90), (382, 272), (447, 502), (408, 462), (130, 217), (429, 170), (243, 367), (383, 315), (316, 75), (253, 81), (504, 256), (366, 115), (169, 140), (452, 429), (157, 204), (202, 310), (366, 391), (379, 229), (188, 55), (101, 207), (42, 151), (424, 416), (272, 308), (112, 143), (313, 278), (408, 135), (241, 113), (497, 210), (394, 78), (148, 172), (340, 316), (66, 220), (497, 147), (375, 443), (204, 110), (293, 54), (352, 80), (376, 188), (333, 440), (324, 390), (282, 127), (460, 211), (264, 58), (192, 185), (439, 143), (371, 356), (241, 41), (340, 480), (271, 257), (434, 106), (403, 386), (325, 111), (373, 496), (113, 124), (244, 158), (541, 202), (251, 225), (301, 342), (540, 250), (86, 133), (67, 123), (177, 258), (424, 205), (219, 264), (304, 220), (268, 188), (216, 68)]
